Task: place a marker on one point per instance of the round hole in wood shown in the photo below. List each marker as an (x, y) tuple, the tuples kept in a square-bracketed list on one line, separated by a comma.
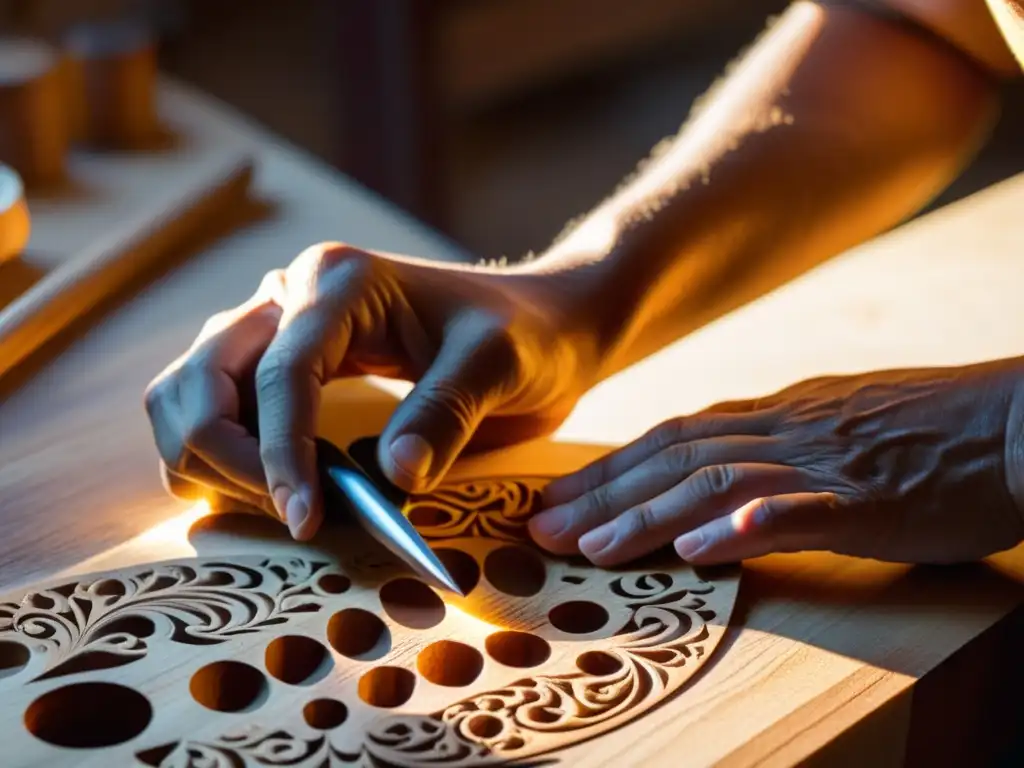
[(88, 715), (450, 663), (598, 663), (412, 603), (578, 617), (228, 686), (13, 658), (424, 515), (485, 726), (334, 583), (324, 714), (516, 571), (462, 566), (387, 686), (295, 659), (358, 634), (517, 649)]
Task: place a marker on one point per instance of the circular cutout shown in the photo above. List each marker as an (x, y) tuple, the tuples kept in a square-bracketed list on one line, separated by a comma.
[(13, 658), (598, 663), (485, 726), (88, 715), (412, 603), (227, 686), (579, 617), (517, 649), (516, 571), (295, 659), (425, 515), (462, 566), (358, 634), (387, 686), (450, 663), (324, 714), (334, 583)]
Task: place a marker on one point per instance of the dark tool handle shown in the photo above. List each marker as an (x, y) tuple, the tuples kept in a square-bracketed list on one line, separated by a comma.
[(361, 457)]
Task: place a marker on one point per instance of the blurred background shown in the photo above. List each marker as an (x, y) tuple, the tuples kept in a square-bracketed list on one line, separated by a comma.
[(495, 121)]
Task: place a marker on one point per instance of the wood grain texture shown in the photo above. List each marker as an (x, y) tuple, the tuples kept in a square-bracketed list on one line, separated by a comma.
[(342, 657), (824, 652)]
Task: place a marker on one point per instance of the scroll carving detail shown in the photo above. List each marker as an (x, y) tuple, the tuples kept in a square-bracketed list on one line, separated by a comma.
[(112, 621)]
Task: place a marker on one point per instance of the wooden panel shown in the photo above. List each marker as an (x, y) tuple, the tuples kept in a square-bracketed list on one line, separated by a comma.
[(823, 649)]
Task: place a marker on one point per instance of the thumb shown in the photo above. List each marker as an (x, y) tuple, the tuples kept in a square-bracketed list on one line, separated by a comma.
[(432, 425)]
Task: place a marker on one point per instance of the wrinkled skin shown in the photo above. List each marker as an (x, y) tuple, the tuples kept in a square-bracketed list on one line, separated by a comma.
[(908, 466), (912, 466), (493, 363)]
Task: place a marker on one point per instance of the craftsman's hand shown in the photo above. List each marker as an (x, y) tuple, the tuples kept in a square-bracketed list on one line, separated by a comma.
[(494, 360), (909, 466)]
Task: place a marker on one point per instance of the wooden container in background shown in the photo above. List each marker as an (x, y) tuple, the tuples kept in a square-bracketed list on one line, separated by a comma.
[(33, 121), (112, 74), (14, 218)]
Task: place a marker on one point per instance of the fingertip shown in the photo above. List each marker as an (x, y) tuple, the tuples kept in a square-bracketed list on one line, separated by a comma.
[(549, 530), (598, 545), (409, 461)]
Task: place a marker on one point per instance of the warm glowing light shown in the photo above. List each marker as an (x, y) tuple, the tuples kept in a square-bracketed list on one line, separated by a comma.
[(176, 529), (471, 623)]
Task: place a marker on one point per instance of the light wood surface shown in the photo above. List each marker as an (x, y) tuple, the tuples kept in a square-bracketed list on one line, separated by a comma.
[(284, 642), (166, 218), (829, 660)]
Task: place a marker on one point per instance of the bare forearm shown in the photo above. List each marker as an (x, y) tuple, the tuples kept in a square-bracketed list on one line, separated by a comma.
[(835, 126)]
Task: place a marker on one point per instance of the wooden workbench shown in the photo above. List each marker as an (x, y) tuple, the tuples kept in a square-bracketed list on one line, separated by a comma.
[(840, 660)]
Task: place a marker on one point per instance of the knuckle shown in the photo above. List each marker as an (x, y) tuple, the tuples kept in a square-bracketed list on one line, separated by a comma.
[(447, 399), (270, 452), (679, 457), (641, 521), (715, 481), (597, 502), (214, 324), (313, 263), (272, 283), (277, 368), (760, 515), (154, 396), (669, 432)]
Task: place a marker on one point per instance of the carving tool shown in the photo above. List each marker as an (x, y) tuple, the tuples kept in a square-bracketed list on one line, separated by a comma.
[(376, 505)]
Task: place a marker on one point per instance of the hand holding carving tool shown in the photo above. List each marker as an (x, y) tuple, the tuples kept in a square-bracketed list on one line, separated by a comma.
[(379, 512)]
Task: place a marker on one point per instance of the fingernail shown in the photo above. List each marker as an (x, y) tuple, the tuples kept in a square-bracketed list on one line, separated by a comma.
[(689, 544), (281, 496), (413, 455), (296, 514), (551, 523), (597, 540)]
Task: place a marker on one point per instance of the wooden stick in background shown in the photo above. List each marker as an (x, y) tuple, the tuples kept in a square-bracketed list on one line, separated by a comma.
[(78, 285)]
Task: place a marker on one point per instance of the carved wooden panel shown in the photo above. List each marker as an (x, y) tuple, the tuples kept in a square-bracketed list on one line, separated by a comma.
[(324, 659)]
